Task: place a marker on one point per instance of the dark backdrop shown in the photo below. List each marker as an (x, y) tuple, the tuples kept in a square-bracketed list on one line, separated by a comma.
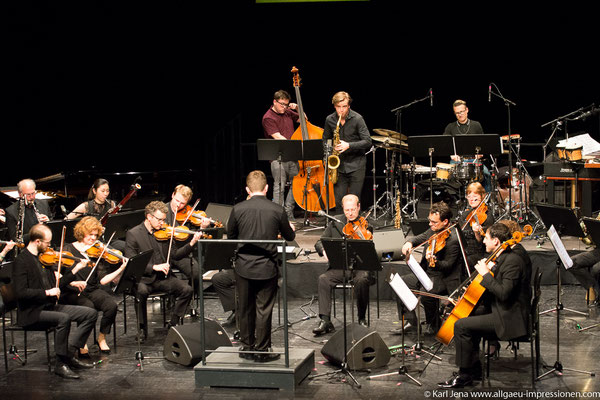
[(116, 86)]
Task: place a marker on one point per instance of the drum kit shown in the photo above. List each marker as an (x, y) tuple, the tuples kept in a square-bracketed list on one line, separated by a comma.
[(446, 181)]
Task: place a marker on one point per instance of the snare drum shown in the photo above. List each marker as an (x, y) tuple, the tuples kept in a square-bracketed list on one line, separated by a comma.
[(444, 171), (574, 153), (469, 171)]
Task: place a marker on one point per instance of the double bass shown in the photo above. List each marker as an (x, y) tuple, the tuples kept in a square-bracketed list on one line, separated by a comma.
[(308, 187)]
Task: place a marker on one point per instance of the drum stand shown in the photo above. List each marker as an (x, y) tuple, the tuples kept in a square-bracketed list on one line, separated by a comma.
[(413, 201), (375, 207), (387, 195)]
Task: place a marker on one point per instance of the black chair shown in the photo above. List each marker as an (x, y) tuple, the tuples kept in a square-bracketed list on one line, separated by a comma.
[(532, 336), (10, 303)]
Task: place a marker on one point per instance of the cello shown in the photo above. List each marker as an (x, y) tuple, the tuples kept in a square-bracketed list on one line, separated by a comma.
[(308, 187), (468, 301)]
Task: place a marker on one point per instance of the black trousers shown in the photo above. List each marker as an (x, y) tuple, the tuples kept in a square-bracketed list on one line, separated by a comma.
[(175, 286), (348, 183), (256, 299), (361, 279), (431, 305), (99, 300), (224, 284), (61, 317), (586, 269), (467, 335)]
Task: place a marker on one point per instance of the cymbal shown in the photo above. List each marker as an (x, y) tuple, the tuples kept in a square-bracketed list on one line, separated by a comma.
[(389, 141), (389, 133)]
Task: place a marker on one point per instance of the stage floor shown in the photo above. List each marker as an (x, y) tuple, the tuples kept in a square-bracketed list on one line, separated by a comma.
[(118, 376)]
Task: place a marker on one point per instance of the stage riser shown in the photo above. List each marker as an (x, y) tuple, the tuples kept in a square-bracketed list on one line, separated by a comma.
[(229, 370)]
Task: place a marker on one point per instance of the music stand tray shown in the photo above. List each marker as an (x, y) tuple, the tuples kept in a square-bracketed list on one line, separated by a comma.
[(282, 150), (362, 253), (133, 273), (564, 219), (478, 144), (218, 255), (418, 146)]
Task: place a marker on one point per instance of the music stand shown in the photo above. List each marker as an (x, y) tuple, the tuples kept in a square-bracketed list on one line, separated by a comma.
[(122, 221), (56, 227), (281, 151), (128, 284), (349, 255), (425, 146)]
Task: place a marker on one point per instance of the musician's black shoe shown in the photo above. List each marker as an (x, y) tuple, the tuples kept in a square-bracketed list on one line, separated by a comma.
[(323, 328), (457, 381), (398, 331), (74, 362), (64, 371), (266, 356), (363, 322), (230, 320), (247, 356)]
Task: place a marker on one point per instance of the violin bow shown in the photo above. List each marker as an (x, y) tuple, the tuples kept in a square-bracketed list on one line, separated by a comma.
[(190, 213), (62, 242), (98, 262)]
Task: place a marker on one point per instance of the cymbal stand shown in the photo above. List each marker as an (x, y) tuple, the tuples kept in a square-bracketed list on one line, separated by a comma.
[(496, 193), (413, 201), (375, 206), (387, 195)]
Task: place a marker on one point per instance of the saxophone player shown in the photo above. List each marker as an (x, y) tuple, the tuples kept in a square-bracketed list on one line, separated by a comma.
[(22, 215), (354, 141)]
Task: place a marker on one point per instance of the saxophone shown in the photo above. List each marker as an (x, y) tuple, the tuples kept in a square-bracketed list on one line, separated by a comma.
[(333, 161)]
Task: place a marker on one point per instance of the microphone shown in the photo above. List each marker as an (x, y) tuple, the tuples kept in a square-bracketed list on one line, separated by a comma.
[(431, 97), (586, 114), (490, 93), (324, 214)]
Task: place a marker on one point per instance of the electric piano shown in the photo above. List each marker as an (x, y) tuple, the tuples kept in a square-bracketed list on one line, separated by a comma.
[(583, 178)]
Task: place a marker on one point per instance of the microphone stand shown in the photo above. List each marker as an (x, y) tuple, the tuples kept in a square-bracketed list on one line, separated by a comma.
[(507, 103)]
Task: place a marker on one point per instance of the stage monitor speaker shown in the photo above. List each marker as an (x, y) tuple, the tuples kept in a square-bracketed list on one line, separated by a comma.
[(388, 244), (183, 344), (365, 348)]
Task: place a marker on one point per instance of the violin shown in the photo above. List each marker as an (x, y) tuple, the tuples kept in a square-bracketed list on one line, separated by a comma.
[(435, 244), (18, 245), (195, 217), (478, 216), (112, 256), (468, 301), (358, 229), (51, 257), (179, 233)]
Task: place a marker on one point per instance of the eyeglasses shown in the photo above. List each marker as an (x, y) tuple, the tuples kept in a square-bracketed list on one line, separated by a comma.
[(159, 219), (284, 105), (460, 112)]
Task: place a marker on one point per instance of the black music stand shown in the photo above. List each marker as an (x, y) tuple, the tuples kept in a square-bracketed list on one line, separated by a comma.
[(128, 284), (282, 151), (56, 227), (349, 255), (564, 223), (425, 146)]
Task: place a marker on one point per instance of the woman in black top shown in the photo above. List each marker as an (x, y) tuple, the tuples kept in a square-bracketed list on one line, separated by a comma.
[(91, 293), (98, 203)]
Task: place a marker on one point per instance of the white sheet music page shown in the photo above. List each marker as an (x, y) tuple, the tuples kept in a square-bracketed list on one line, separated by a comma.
[(559, 247)]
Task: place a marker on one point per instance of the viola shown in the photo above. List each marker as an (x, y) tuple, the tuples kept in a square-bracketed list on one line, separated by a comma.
[(436, 243), (468, 301), (19, 245), (358, 229), (51, 257), (112, 256)]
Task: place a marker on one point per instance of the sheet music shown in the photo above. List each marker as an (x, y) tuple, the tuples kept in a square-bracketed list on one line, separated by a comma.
[(590, 146), (404, 293), (559, 247), (419, 273)]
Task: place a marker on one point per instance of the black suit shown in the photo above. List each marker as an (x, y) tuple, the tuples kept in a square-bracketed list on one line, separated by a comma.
[(353, 162), (12, 218), (361, 279), (35, 308), (445, 276), (256, 266), (137, 240), (504, 310)]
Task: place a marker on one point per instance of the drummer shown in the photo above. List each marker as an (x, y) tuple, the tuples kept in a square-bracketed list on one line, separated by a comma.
[(466, 126)]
